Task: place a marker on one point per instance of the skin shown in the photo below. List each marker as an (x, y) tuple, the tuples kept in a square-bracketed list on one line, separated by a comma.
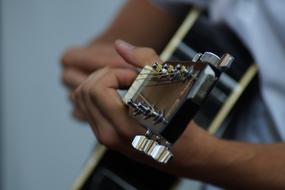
[(129, 24), (93, 79)]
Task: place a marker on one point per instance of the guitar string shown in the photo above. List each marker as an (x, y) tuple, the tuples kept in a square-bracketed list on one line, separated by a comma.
[(154, 75), (167, 83), (156, 72), (157, 79), (160, 77)]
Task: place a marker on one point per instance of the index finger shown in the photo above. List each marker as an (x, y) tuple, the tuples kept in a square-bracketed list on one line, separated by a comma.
[(106, 98)]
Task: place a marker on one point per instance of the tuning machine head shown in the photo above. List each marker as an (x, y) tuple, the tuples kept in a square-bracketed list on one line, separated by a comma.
[(152, 147), (193, 81), (161, 153), (139, 142), (222, 63)]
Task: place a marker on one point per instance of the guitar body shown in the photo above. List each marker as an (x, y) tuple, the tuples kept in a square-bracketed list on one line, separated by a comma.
[(109, 170)]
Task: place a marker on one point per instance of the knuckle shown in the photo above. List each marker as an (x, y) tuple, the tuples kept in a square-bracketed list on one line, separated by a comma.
[(95, 91), (77, 94), (107, 140), (85, 90), (91, 91)]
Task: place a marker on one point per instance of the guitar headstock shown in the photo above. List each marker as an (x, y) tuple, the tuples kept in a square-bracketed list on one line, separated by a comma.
[(159, 93)]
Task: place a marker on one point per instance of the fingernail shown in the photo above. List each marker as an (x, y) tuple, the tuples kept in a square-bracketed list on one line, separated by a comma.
[(125, 45)]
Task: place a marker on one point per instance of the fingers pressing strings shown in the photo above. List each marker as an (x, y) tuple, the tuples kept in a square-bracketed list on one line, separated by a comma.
[(80, 96), (106, 99), (136, 56), (106, 131)]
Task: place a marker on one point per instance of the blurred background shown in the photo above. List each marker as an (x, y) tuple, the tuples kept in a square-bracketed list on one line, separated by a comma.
[(41, 146)]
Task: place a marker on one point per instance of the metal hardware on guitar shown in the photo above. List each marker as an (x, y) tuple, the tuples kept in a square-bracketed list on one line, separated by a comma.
[(148, 112), (193, 79)]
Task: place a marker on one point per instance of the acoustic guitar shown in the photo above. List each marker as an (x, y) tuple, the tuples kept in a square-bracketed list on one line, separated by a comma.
[(166, 96)]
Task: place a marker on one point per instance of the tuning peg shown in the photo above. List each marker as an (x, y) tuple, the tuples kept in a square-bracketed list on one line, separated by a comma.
[(146, 110), (196, 57), (170, 68), (210, 58), (157, 67), (139, 142), (158, 117), (149, 146), (226, 61), (161, 154)]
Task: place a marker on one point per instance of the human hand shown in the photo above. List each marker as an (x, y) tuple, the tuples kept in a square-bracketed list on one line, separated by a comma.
[(78, 63), (97, 97)]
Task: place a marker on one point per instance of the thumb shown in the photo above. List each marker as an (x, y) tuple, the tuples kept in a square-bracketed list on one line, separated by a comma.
[(136, 56)]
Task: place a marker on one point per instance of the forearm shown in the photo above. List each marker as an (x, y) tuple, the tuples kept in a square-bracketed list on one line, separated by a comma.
[(235, 165), (141, 23)]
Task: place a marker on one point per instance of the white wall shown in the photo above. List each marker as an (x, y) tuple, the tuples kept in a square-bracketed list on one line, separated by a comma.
[(42, 147)]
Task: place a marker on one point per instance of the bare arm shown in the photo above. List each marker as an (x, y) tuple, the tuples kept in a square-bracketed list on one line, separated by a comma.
[(141, 23), (229, 164)]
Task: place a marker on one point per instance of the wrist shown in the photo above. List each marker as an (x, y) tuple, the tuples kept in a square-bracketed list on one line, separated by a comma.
[(194, 150)]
